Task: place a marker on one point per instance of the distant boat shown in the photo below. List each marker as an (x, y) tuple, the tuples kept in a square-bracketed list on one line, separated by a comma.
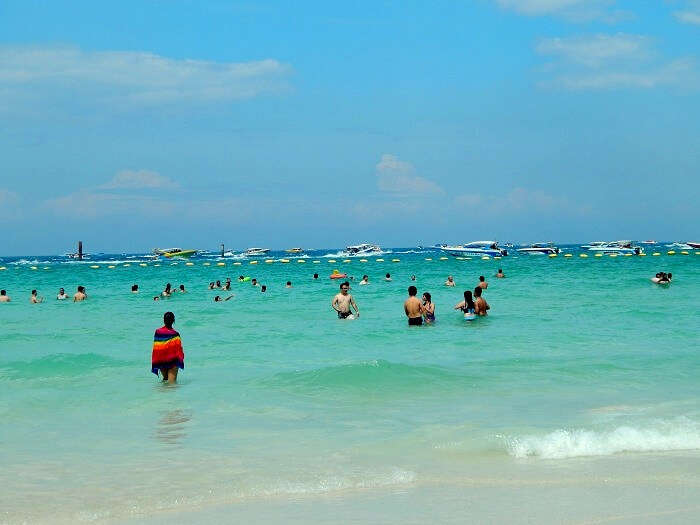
[(540, 248), (694, 245), (256, 252), (593, 244), (362, 249), (649, 242), (475, 249), (77, 255), (174, 252), (295, 250), (617, 247)]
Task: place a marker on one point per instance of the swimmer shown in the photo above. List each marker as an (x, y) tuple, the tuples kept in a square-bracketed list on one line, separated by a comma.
[(34, 299), (263, 288), (343, 302), (156, 298), (182, 289), (218, 284), (315, 276), (413, 308), (413, 277), (62, 295), (365, 280), (288, 285), (4, 298), (219, 299), (387, 277), (467, 306), (428, 308), (482, 283), (135, 288), (167, 355), (450, 281), (80, 295), (227, 284), (211, 285), (167, 292), (241, 279), (254, 282), (500, 274), (662, 278), (480, 304)]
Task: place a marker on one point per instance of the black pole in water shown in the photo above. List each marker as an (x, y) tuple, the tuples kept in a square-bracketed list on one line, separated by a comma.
[(222, 249), (80, 250)]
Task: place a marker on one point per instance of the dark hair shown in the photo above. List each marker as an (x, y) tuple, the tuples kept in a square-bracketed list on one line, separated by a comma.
[(500, 270), (365, 276), (315, 276), (388, 275), (481, 278), (468, 301), (182, 287), (33, 292), (167, 286), (345, 283), (263, 288), (134, 287), (477, 291), (2, 292), (218, 283), (240, 277), (427, 296), (168, 319), (669, 275), (253, 280), (412, 291), (81, 288), (289, 283), (217, 298)]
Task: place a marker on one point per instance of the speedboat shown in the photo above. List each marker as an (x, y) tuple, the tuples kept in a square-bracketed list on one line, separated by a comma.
[(176, 252), (681, 245), (475, 249), (294, 250), (78, 255), (694, 245), (593, 244), (362, 249), (650, 241), (540, 248), (617, 247), (256, 252)]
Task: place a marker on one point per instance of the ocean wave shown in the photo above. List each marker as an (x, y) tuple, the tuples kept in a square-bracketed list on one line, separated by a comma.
[(58, 365), (346, 255), (661, 436), (370, 375)]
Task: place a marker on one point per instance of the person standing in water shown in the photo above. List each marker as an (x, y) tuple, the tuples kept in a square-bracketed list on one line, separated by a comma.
[(365, 280), (4, 298), (62, 295), (450, 281), (413, 308), (80, 295), (500, 274), (34, 299), (167, 355), (343, 301), (482, 283), (480, 304), (428, 308), (467, 306)]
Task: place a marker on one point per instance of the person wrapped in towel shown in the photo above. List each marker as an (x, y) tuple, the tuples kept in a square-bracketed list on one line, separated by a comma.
[(167, 354)]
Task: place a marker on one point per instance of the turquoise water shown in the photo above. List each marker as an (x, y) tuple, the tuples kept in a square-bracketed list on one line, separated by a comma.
[(578, 358)]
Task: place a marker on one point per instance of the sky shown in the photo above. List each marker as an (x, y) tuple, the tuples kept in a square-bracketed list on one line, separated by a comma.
[(136, 124)]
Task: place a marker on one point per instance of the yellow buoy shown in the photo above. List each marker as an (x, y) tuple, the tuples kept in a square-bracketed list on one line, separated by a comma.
[(380, 260), (3, 268), (629, 255), (206, 264), (35, 268), (284, 261), (396, 260), (111, 266), (91, 266), (331, 260), (583, 255), (189, 264), (459, 258), (684, 252), (697, 253), (156, 265), (428, 259), (552, 255), (346, 260), (671, 252), (126, 265), (269, 261), (655, 254), (363, 260), (497, 257), (485, 258), (444, 258), (598, 254), (253, 262), (467, 258), (302, 261), (173, 264), (143, 264), (46, 268), (237, 263), (613, 255), (642, 254), (221, 264), (568, 255), (316, 262)]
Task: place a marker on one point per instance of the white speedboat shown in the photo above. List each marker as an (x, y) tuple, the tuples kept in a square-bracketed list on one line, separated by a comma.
[(540, 248), (617, 247), (363, 249), (694, 245), (256, 252), (593, 244), (475, 249), (650, 241), (681, 245)]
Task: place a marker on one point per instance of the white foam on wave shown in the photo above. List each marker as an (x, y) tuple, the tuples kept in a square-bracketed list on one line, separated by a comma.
[(661, 436)]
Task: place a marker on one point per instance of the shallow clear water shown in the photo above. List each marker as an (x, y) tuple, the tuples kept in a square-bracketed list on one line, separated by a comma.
[(578, 358)]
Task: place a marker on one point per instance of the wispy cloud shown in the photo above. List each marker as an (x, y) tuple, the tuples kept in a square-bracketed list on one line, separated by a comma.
[(138, 180), (131, 78), (397, 176), (572, 10), (611, 62), (517, 201), (689, 15)]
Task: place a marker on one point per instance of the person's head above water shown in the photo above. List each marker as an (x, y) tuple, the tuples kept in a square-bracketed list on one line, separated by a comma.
[(254, 281), (61, 291), (134, 288), (468, 301), (217, 298), (477, 291), (81, 289), (388, 275), (168, 319), (33, 292), (315, 276), (482, 278), (365, 277), (3, 292), (263, 288), (500, 270), (182, 287), (412, 291), (289, 283), (427, 297)]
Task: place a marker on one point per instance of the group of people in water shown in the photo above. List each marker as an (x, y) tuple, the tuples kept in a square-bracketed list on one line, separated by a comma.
[(79, 295)]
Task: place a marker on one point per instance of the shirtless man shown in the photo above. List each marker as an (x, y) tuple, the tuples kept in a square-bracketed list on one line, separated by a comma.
[(482, 283), (62, 295), (480, 304), (4, 298), (365, 280), (342, 302), (80, 295), (34, 299), (500, 274), (413, 308), (450, 281)]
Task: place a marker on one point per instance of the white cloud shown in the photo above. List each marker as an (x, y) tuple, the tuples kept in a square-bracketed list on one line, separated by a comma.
[(612, 62), (398, 176), (596, 50), (131, 78), (690, 15), (572, 10), (138, 180)]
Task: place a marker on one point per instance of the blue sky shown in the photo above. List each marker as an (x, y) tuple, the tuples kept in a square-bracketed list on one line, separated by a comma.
[(140, 123)]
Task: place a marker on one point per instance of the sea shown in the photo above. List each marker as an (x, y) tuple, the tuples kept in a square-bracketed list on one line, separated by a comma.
[(582, 383)]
